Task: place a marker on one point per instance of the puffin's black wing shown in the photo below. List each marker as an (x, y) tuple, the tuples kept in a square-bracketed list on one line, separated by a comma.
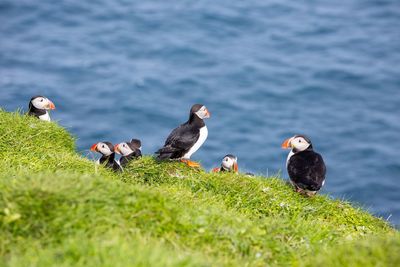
[(179, 142), (137, 153), (307, 170), (124, 160)]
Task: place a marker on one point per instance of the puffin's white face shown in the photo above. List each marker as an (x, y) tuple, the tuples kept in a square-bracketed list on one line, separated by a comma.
[(298, 143), (123, 149), (203, 113), (102, 148), (229, 163), (42, 103)]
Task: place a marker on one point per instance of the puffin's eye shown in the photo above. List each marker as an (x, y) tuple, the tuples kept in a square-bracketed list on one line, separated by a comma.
[(41, 100), (102, 146), (123, 145), (226, 159), (299, 140)]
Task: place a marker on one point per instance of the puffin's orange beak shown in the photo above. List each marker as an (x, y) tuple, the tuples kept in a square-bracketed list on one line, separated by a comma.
[(93, 148), (287, 143), (116, 149), (235, 167), (51, 105), (208, 114)]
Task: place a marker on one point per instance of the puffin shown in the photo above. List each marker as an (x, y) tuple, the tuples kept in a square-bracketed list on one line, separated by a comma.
[(39, 106), (186, 139), (228, 164), (305, 167), (128, 151), (106, 149)]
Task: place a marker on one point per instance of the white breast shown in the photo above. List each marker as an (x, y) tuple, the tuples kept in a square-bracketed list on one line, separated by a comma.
[(291, 153), (199, 143), (45, 117), (119, 164)]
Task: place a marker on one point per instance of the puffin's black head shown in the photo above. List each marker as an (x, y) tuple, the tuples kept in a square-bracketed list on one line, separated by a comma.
[(126, 148), (298, 143), (105, 148), (200, 111), (229, 163), (136, 143), (41, 102)]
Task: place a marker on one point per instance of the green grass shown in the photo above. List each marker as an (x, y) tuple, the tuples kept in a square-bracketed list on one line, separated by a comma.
[(57, 208)]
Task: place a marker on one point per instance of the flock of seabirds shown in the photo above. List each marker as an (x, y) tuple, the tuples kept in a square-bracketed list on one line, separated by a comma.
[(305, 167)]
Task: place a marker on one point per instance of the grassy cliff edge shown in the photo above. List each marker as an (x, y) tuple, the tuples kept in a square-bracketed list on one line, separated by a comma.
[(57, 208)]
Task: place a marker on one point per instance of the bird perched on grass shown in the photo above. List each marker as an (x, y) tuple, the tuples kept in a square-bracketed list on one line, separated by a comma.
[(106, 149), (228, 164), (129, 151), (39, 107), (305, 167), (186, 139)]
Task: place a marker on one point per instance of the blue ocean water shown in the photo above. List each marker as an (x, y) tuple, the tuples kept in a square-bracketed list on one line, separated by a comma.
[(118, 69)]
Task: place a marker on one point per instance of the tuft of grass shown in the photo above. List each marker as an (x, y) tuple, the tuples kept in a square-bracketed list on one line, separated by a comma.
[(373, 251), (59, 209)]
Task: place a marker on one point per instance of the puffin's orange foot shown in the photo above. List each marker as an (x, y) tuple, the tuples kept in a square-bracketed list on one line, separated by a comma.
[(311, 193), (190, 163), (305, 192), (216, 169)]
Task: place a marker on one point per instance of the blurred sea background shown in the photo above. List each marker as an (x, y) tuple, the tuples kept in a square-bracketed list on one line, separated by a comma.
[(265, 69)]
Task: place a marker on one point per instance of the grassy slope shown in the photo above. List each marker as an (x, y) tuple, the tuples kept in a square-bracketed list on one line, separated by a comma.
[(57, 208)]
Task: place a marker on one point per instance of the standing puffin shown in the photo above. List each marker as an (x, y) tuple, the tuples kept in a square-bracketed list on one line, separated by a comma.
[(228, 164), (39, 106), (185, 140), (305, 167), (129, 151), (106, 149)]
